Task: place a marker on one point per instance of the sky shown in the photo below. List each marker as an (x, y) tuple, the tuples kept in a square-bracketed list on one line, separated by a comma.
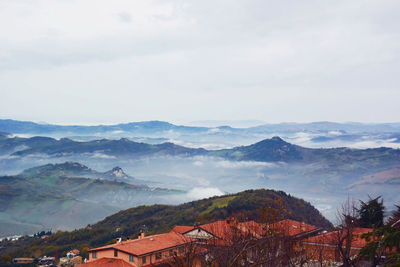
[(97, 61)]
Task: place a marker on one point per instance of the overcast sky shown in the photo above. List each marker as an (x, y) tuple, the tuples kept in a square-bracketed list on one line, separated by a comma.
[(97, 61)]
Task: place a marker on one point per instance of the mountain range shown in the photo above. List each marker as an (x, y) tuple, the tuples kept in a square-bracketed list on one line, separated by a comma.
[(314, 134), (152, 127), (268, 150)]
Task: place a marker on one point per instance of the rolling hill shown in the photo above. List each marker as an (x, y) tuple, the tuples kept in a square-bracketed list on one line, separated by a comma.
[(63, 147), (161, 218), (66, 196)]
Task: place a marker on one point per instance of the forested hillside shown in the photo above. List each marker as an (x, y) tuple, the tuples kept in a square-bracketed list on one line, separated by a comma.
[(160, 218)]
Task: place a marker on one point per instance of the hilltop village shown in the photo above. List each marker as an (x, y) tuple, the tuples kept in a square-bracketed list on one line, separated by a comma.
[(290, 242), (284, 243)]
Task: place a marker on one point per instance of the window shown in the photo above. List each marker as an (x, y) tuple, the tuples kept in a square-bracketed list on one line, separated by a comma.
[(144, 260), (158, 256), (131, 258), (171, 253), (180, 250), (94, 254), (115, 253)]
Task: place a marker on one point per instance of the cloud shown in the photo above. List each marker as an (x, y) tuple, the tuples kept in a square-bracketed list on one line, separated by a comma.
[(204, 192), (375, 144), (118, 132), (198, 163), (101, 156), (335, 133), (243, 164), (125, 17), (274, 61)]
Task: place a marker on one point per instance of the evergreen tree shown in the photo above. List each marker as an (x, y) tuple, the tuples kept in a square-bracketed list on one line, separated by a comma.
[(371, 213)]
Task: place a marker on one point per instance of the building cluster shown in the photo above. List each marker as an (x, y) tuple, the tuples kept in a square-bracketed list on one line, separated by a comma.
[(72, 258), (198, 243)]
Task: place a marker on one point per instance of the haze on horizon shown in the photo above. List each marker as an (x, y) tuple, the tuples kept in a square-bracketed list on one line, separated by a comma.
[(92, 62)]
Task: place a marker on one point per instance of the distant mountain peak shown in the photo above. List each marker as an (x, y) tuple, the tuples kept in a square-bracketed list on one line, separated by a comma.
[(71, 164), (116, 173), (66, 168), (277, 138)]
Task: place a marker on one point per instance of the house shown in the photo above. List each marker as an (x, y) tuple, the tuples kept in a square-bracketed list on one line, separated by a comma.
[(295, 229), (46, 261), (221, 230), (73, 253), (75, 260), (23, 260), (145, 250), (326, 246)]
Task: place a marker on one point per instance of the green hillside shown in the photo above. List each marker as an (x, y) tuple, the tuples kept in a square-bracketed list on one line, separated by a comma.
[(161, 218)]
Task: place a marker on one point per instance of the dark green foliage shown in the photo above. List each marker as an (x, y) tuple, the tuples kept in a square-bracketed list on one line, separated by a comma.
[(162, 218), (371, 213), (384, 241)]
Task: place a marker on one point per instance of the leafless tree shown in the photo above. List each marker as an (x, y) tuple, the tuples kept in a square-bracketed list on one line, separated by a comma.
[(256, 244), (347, 217)]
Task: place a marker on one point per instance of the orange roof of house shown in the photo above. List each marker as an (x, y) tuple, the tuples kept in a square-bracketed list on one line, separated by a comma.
[(181, 229), (227, 231), (219, 228), (252, 227), (331, 238), (148, 244), (106, 262), (292, 228)]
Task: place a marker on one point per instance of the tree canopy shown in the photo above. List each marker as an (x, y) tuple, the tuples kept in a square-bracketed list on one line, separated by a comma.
[(371, 212)]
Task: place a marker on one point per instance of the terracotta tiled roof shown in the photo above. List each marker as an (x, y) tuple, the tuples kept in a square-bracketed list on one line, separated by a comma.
[(148, 244), (106, 262), (219, 228), (181, 229), (251, 227), (227, 231), (331, 238), (292, 228)]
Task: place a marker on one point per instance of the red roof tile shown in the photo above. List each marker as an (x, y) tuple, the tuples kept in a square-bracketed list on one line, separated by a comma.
[(219, 228), (148, 244), (292, 228), (181, 229), (331, 238), (106, 262)]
